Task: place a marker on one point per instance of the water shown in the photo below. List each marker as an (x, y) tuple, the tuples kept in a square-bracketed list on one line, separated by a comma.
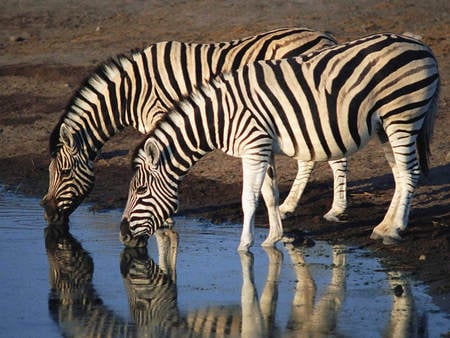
[(192, 281)]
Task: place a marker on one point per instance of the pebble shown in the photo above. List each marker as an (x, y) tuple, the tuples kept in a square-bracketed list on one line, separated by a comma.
[(398, 291), (19, 38)]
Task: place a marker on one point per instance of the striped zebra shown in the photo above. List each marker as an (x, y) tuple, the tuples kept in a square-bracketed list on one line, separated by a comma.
[(138, 90), (316, 107)]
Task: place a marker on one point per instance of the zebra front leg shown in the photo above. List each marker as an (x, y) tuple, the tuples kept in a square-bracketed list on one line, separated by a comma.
[(254, 171), (302, 307), (303, 173), (403, 321), (339, 205), (167, 242), (271, 198), (405, 168), (252, 320), (269, 295)]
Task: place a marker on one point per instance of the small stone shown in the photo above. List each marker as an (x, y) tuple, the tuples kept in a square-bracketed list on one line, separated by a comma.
[(398, 291), (17, 38)]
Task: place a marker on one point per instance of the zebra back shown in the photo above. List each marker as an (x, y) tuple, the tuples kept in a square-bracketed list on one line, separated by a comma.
[(138, 89), (317, 107)]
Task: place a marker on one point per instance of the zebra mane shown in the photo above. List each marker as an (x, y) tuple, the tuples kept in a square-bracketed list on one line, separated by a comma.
[(101, 71)]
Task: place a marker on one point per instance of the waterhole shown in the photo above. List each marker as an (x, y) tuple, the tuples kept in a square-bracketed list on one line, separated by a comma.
[(191, 281)]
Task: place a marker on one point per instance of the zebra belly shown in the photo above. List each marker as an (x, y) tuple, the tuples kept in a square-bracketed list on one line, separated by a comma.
[(314, 150)]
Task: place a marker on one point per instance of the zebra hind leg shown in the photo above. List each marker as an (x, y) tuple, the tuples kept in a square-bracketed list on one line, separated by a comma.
[(290, 203), (405, 167), (270, 195), (337, 211)]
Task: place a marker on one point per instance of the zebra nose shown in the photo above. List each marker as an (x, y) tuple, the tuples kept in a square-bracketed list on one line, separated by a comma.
[(43, 201), (50, 210), (125, 234)]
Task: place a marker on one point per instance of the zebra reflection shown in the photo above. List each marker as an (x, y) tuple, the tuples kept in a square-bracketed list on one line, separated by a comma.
[(309, 318), (73, 301), (153, 296), (405, 320), (152, 292)]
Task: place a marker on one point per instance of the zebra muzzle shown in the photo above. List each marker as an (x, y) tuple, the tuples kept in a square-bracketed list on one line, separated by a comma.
[(128, 240), (125, 234), (51, 213)]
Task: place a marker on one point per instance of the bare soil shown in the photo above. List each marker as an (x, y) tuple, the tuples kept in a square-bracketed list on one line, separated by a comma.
[(48, 47)]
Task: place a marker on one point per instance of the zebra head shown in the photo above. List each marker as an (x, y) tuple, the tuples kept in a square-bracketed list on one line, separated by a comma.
[(152, 196), (71, 175)]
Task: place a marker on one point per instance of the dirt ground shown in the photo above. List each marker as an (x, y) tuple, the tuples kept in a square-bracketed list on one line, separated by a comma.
[(48, 47)]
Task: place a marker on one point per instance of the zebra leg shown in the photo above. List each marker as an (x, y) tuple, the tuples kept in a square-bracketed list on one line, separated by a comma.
[(339, 205), (390, 214), (303, 173), (271, 198), (326, 310), (252, 321), (254, 171), (405, 168), (269, 295), (167, 242), (302, 307), (404, 320)]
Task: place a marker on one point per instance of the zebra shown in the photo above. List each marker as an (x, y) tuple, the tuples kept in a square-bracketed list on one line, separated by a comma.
[(138, 90), (316, 107)]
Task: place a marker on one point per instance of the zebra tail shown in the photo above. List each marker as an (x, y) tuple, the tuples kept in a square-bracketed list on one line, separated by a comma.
[(425, 134)]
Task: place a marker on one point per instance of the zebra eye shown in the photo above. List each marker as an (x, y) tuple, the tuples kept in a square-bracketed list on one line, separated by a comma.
[(142, 189), (65, 172)]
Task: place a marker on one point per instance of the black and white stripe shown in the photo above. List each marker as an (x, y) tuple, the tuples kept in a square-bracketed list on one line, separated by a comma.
[(137, 91), (318, 107)]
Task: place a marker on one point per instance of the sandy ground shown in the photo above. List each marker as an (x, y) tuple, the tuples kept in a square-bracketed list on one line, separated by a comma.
[(48, 47)]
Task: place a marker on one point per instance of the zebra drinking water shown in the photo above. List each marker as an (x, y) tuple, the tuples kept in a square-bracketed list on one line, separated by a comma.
[(138, 90), (316, 107)]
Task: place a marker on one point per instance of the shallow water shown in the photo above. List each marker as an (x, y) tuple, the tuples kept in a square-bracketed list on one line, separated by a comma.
[(193, 281)]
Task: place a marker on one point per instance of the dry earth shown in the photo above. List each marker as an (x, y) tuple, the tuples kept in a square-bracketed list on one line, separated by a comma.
[(48, 47)]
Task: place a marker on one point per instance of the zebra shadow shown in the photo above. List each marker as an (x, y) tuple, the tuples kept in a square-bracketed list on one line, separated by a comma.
[(153, 296)]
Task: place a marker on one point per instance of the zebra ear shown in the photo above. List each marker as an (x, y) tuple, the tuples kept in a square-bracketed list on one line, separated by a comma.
[(152, 151), (67, 137)]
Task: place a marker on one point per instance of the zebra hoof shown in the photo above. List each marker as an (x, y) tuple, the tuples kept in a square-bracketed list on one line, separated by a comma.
[(297, 239), (388, 239), (286, 215), (335, 217), (244, 247), (376, 236), (270, 243), (391, 240)]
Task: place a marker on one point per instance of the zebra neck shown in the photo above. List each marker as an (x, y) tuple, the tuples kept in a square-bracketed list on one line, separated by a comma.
[(182, 145), (102, 107)]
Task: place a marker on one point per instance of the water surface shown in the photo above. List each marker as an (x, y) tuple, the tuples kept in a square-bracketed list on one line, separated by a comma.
[(191, 281)]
